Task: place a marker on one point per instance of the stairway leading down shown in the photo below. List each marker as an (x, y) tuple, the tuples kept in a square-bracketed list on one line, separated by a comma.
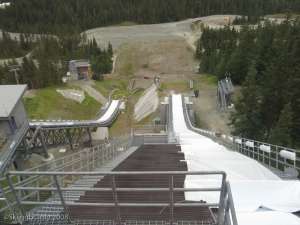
[(146, 158)]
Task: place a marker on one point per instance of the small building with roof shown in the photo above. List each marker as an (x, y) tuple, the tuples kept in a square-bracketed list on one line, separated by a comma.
[(79, 70), (225, 92), (13, 116)]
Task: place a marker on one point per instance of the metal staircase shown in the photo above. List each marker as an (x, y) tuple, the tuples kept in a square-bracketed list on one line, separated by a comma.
[(98, 158), (47, 193)]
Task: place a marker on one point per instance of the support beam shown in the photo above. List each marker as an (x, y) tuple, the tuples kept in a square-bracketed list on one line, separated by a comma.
[(44, 146), (90, 137), (69, 139)]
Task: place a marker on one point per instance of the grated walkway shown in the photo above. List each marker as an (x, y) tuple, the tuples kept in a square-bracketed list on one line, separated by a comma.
[(146, 158)]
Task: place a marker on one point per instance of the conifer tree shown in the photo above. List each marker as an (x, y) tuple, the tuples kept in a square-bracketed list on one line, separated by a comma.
[(281, 134), (246, 119)]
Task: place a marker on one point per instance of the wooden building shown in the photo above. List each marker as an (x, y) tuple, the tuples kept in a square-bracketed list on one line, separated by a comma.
[(79, 70)]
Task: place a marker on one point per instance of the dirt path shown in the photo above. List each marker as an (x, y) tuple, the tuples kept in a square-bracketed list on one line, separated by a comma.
[(87, 87), (147, 104), (118, 35), (142, 61), (173, 60)]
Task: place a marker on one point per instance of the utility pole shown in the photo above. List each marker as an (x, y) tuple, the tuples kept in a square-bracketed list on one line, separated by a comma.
[(15, 69)]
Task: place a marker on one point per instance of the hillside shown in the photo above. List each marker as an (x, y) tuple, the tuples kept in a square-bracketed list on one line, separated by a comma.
[(56, 16)]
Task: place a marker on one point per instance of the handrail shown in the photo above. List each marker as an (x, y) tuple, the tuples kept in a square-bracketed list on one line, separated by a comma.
[(10, 147), (89, 158), (168, 175), (206, 133), (96, 173), (266, 153)]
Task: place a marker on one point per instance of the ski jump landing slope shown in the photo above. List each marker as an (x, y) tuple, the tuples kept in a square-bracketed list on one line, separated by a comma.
[(260, 196), (105, 120)]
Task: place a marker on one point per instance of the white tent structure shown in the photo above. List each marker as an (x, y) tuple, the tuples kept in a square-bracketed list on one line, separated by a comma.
[(260, 196)]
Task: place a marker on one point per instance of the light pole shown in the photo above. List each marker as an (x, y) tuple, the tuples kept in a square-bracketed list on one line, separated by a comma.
[(15, 69)]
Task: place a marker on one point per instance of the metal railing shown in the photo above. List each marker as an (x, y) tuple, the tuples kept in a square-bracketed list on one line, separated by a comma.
[(85, 160), (225, 206), (189, 124), (150, 139), (272, 156), (10, 147), (150, 129)]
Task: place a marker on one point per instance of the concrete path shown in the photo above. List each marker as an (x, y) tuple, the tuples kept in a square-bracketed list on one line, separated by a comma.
[(147, 104), (87, 87)]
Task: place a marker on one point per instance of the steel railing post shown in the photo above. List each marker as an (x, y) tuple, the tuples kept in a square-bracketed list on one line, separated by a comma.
[(115, 197), (231, 205), (80, 160), (61, 196), (258, 151), (276, 157), (222, 201), (93, 155), (227, 211), (38, 193), (16, 196), (72, 177), (171, 199)]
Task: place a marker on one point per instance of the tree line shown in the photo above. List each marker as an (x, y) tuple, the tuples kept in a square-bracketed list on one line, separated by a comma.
[(13, 48), (265, 60), (56, 16), (50, 58)]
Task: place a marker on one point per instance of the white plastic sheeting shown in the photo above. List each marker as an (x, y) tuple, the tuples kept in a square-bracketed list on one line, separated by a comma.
[(267, 218), (112, 108), (109, 112), (253, 185), (265, 148), (288, 155), (147, 104), (276, 195)]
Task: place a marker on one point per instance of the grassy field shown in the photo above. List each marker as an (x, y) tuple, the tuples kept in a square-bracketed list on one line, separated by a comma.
[(48, 104), (125, 120), (127, 61), (207, 79), (108, 85), (126, 24), (182, 86), (177, 86)]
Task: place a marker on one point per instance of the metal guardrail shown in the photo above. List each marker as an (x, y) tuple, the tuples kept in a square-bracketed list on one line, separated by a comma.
[(150, 129), (272, 156), (226, 212), (85, 160), (148, 139), (9, 149), (189, 124)]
